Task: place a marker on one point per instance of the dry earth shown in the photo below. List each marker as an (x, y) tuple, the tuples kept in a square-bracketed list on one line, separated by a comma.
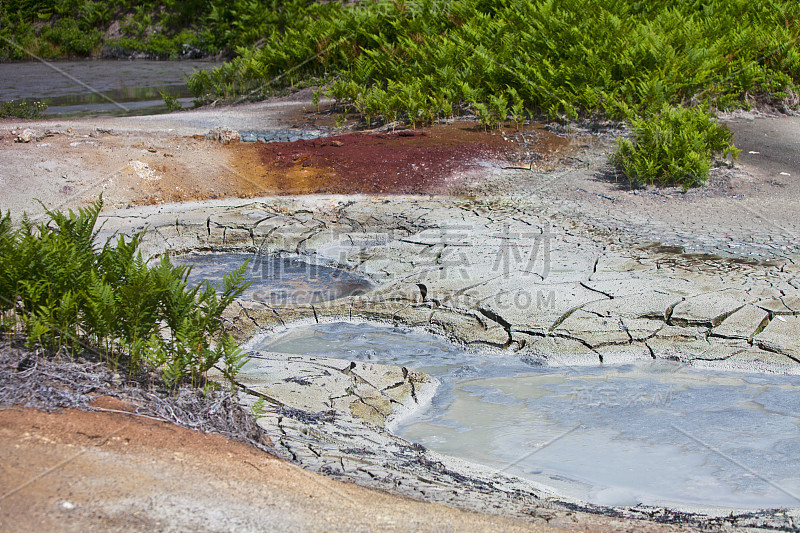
[(99, 471)]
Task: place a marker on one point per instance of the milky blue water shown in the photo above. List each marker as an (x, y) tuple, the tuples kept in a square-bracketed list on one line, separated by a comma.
[(655, 433)]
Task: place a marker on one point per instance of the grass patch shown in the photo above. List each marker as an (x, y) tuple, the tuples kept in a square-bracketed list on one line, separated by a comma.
[(171, 102), (63, 293), (432, 59)]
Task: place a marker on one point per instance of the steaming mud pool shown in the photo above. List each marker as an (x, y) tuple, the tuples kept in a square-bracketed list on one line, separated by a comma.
[(653, 433), (276, 280)]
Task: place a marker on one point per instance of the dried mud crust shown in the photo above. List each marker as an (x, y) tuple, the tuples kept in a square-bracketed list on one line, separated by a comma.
[(604, 300), (505, 274)]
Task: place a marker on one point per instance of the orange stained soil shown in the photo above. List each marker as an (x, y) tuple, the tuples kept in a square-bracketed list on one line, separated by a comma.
[(433, 160)]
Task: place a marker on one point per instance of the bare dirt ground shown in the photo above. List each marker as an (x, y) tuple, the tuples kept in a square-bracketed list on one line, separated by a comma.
[(92, 471), (749, 208), (71, 162), (105, 471)]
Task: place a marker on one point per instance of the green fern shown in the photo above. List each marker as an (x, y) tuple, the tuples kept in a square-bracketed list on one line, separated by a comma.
[(676, 146), (66, 293)]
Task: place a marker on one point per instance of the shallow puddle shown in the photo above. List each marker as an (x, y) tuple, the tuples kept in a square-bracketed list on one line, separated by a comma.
[(99, 87), (276, 280), (656, 433)]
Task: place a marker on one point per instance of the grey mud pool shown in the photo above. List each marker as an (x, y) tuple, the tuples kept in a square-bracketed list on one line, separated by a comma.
[(654, 433), (276, 280)]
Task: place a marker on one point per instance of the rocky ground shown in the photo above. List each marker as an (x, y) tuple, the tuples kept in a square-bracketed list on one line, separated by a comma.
[(559, 261)]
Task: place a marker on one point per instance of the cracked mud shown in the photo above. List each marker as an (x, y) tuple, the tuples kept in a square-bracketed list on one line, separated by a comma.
[(499, 274)]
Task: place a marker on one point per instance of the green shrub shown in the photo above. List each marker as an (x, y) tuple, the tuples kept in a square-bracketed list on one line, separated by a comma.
[(159, 28), (22, 109), (73, 38), (64, 293), (630, 61), (171, 102), (674, 147)]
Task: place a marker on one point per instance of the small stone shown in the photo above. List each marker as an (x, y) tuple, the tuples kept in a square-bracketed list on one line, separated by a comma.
[(67, 506), (223, 135), (26, 364), (27, 136)]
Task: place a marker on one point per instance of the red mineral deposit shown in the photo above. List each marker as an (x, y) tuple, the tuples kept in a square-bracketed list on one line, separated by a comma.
[(433, 160)]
